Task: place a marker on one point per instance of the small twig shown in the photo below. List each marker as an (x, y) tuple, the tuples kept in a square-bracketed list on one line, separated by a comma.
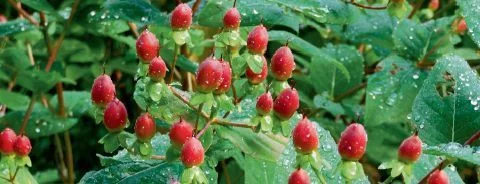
[(133, 28), (472, 139), (226, 123), (30, 54), (23, 12), (44, 24), (68, 147), (225, 172), (186, 102), (61, 162), (203, 130), (172, 67), (350, 92), (415, 9), (367, 7), (422, 63), (195, 7), (158, 157), (27, 114)]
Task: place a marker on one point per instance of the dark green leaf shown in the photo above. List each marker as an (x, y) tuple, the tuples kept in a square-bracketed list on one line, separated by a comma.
[(471, 12), (324, 103), (14, 101), (138, 11), (76, 102), (40, 5), (296, 43), (455, 150), (15, 26)]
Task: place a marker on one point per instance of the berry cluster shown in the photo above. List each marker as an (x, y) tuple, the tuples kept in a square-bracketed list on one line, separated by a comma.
[(11, 144)]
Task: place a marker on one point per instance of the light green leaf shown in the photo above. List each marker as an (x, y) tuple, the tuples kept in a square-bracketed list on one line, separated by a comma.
[(14, 101)]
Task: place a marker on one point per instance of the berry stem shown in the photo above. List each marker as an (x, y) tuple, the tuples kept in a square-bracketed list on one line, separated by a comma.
[(203, 130), (367, 7), (27, 114), (133, 28), (195, 6), (172, 67)]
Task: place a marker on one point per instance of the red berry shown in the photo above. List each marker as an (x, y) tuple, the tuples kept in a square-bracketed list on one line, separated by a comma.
[(305, 136), (410, 149), (299, 176), (7, 140), (145, 127), (180, 132), (257, 78), (115, 116), (353, 142), (286, 104), (231, 20), (181, 17), (438, 177), (157, 69), (226, 78), (257, 40), (147, 46), (103, 90), (209, 75), (434, 4), (459, 26), (282, 64), (192, 153), (264, 104), (3, 19), (22, 146)]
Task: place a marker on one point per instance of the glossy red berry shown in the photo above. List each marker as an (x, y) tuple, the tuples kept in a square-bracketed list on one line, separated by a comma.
[(459, 26), (147, 46), (7, 140), (180, 132), (226, 78), (410, 149), (181, 17), (286, 104), (305, 136), (299, 176), (103, 90), (257, 40), (353, 142), (145, 127), (282, 64), (257, 78), (157, 69), (264, 103), (22, 146), (231, 19), (438, 177), (209, 75), (192, 153), (3, 19), (434, 4), (115, 116)]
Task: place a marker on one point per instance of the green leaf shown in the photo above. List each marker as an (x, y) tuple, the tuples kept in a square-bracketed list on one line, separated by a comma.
[(14, 57), (469, 9), (40, 5), (254, 62), (446, 108), (391, 91), (138, 11), (324, 103), (14, 101), (15, 26), (387, 138), (110, 142), (454, 150), (76, 103), (135, 172), (294, 42), (47, 176), (348, 64), (426, 163), (38, 80), (41, 122), (23, 176)]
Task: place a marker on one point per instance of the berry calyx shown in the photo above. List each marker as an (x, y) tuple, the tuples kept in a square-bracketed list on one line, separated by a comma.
[(147, 46), (145, 127), (157, 69), (459, 26), (7, 140), (433, 5), (286, 104), (299, 176), (226, 78), (305, 136), (181, 17), (231, 19), (264, 104), (192, 153), (257, 78), (22, 146), (180, 132), (115, 116), (410, 149), (209, 75), (282, 64), (438, 177), (353, 142), (103, 90), (257, 40)]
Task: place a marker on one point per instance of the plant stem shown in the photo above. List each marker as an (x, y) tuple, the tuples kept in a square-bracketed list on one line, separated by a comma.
[(158, 157), (226, 123), (225, 172), (68, 146), (351, 91), (195, 7), (203, 130), (61, 161), (133, 28), (23, 12), (175, 58), (415, 9), (185, 101), (27, 114), (199, 114)]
